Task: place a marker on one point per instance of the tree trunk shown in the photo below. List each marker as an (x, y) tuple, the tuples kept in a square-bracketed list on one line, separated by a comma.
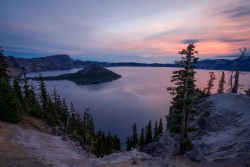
[(236, 82), (183, 134), (237, 72)]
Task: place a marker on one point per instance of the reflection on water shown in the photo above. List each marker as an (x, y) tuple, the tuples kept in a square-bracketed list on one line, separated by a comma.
[(139, 96)]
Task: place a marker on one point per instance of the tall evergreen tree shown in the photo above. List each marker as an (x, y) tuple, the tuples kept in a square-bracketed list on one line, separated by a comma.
[(128, 143), (184, 90), (142, 139), (43, 93), (149, 136), (160, 127), (19, 94), (222, 82), (210, 83), (134, 136), (10, 108), (32, 101), (65, 113), (155, 130), (89, 127), (3, 66), (117, 143)]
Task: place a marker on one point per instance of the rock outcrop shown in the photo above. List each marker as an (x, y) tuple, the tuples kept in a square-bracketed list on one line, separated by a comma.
[(224, 130), (222, 137)]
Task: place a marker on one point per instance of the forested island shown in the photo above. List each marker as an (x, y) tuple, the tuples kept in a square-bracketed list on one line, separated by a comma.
[(91, 74)]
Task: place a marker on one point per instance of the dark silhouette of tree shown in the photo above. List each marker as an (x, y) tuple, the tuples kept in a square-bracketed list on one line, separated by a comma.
[(222, 82), (117, 143), (160, 127), (210, 83), (19, 94), (65, 113), (3, 66), (89, 127), (184, 90), (43, 93), (247, 92), (155, 130), (142, 139), (149, 135), (237, 71), (134, 136), (105, 144), (128, 143), (10, 107)]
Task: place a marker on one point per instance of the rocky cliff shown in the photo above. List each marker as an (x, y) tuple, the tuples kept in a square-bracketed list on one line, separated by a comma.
[(222, 136), (56, 62)]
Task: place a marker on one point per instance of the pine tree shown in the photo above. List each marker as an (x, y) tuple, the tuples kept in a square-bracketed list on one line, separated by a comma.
[(117, 143), (134, 136), (155, 130), (184, 91), (43, 93), (51, 115), (222, 82), (65, 114), (19, 94), (142, 139), (3, 66), (26, 89), (89, 127), (210, 83), (160, 127), (148, 138), (72, 119), (32, 101), (128, 143), (10, 108)]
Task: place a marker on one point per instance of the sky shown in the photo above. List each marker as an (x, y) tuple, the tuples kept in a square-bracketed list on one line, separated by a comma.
[(149, 31)]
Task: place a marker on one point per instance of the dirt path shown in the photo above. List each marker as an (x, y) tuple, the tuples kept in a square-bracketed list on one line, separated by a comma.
[(24, 145), (27, 145), (12, 154)]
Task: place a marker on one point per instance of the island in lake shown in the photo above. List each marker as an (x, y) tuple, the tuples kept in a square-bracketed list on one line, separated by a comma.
[(92, 74)]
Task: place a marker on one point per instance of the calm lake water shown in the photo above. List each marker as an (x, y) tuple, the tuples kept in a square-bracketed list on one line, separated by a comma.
[(139, 96)]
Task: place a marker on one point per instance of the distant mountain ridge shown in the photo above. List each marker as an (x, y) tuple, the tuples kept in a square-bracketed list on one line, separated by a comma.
[(222, 64), (59, 62)]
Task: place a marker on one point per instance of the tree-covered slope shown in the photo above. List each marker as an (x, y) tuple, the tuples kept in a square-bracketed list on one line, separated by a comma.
[(92, 74)]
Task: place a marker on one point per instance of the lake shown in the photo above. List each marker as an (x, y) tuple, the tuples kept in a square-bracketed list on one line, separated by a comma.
[(139, 96)]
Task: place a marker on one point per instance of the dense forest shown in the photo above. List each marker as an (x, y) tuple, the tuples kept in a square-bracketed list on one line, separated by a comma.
[(18, 98)]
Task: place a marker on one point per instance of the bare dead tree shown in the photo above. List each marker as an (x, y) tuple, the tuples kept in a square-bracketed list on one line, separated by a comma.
[(237, 70)]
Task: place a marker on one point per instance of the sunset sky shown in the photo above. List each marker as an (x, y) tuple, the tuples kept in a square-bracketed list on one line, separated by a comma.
[(151, 31)]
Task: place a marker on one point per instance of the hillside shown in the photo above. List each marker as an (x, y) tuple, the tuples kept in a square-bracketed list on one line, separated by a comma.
[(222, 64), (222, 136), (91, 74), (222, 140), (56, 62)]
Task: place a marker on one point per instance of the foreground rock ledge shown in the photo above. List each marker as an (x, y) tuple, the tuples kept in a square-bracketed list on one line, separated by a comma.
[(223, 135)]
